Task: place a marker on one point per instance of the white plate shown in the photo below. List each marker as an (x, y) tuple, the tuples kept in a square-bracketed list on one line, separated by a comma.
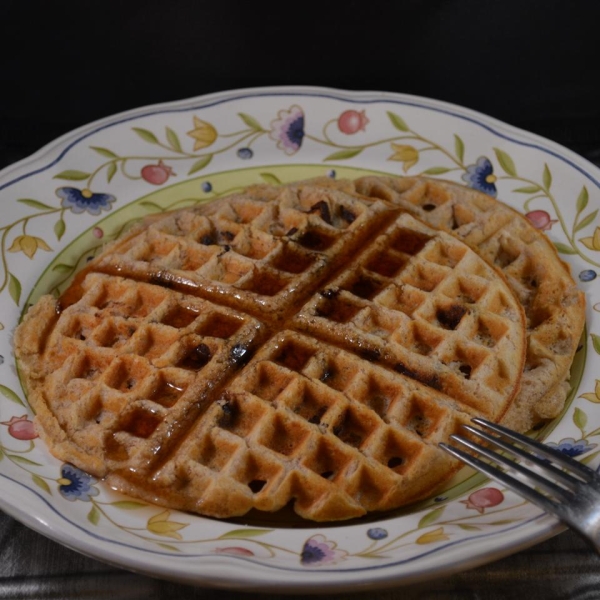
[(61, 204)]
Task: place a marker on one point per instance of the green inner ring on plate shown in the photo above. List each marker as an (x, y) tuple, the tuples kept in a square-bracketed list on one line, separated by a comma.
[(57, 276)]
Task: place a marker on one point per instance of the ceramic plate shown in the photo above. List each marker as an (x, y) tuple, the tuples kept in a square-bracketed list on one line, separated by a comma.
[(62, 204)]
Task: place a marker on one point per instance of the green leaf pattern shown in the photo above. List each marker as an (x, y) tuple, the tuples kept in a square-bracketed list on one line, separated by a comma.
[(12, 396), (506, 162)]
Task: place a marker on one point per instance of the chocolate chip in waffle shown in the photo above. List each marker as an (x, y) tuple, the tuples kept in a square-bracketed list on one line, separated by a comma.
[(294, 345)]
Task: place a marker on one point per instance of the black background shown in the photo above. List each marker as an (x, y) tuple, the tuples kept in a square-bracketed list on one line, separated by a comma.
[(531, 63)]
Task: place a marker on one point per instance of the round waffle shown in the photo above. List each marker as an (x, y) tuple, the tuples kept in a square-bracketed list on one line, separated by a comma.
[(300, 345)]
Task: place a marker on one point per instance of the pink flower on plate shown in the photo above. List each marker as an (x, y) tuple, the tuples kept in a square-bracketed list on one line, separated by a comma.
[(484, 498), (157, 174), (318, 551), (352, 121), (540, 219), (288, 129), (21, 428)]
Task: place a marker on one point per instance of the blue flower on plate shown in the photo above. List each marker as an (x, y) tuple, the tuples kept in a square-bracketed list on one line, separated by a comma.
[(571, 447), (80, 201), (75, 484), (480, 176)]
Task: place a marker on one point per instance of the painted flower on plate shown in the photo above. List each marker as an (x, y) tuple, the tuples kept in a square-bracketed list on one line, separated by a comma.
[(318, 551), (572, 447), (161, 524), (156, 174), (431, 537), (480, 176), (407, 155), (75, 484), (540, 219), (21, 428), (29, 245), (592, 242), (484, 498), (288, 129), (80, 201), (352, 121), (595, 396), (204, 134)]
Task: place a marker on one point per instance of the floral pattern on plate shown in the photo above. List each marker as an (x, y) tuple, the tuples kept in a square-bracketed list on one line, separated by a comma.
[(64, 205)]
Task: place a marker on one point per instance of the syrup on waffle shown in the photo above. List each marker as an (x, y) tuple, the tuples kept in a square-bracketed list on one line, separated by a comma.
[(300, 345)]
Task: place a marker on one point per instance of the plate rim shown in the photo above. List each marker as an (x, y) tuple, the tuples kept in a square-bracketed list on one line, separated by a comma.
[(354, 96)]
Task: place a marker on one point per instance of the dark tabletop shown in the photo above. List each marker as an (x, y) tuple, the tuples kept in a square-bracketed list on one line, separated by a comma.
[(33, 567)]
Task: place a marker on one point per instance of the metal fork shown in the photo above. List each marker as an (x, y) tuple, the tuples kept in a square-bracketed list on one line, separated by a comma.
[(561, 486)]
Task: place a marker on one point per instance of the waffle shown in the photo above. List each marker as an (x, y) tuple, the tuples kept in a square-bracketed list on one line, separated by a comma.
[(554, 306), (301, 346)]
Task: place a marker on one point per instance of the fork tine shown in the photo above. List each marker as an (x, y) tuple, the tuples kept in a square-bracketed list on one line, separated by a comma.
[(547, 486), (510, 482), (561, 476), (575, 466)]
